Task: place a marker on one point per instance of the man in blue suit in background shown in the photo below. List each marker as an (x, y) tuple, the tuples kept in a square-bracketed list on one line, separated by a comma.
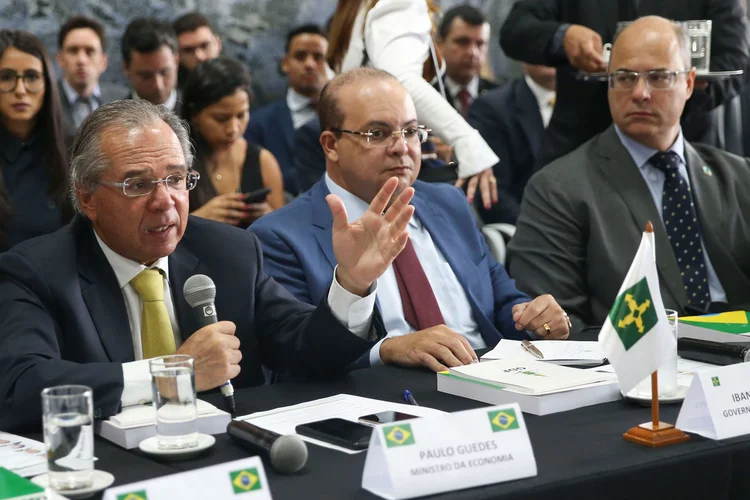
[(512, 120), (273, 126), (445, 295)]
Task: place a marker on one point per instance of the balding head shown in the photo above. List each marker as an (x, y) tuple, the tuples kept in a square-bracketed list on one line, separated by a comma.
[(650, 111), (361, 113)]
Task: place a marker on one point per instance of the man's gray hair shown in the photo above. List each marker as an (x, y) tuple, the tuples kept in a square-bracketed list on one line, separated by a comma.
[(680, 34), (88, 161)]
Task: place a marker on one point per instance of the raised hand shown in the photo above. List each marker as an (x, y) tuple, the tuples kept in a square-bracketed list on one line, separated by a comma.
[(365, 248)]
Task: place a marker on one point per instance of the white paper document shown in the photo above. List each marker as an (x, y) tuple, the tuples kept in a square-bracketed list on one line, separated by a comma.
[(559, 352), (284, 420), (22, 456), (527, 376)]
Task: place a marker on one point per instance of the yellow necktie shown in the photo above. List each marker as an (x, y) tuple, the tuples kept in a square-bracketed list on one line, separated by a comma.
[(157, 337)]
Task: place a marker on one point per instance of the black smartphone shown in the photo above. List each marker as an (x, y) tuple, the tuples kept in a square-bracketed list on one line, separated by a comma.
[(338, 431), (257, 196), (385, 417)]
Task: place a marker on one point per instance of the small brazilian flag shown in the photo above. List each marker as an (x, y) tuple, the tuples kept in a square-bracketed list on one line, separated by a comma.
[(398, 435), (636, 335), (133, 495), (715, 381), (245, 480), (503, 420)]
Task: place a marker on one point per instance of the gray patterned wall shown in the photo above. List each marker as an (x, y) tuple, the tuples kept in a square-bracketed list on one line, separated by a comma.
[(253, 30)]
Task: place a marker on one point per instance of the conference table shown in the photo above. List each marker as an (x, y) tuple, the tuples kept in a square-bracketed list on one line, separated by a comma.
[(579, 454)]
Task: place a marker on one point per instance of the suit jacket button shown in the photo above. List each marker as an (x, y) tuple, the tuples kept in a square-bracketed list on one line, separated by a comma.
[(98, 413)]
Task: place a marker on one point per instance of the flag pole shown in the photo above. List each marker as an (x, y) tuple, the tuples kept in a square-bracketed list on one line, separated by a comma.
[(655, 400), (655, 434)]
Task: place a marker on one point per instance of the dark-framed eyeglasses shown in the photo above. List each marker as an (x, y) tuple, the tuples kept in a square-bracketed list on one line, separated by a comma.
[(385, 137), (658, 79), (33, 81), (142, 186)]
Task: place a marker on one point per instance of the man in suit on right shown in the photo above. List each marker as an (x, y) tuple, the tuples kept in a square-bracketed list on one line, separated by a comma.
[(568, 34), (463, 39), (512, 120), (583, 215), (82, 58)]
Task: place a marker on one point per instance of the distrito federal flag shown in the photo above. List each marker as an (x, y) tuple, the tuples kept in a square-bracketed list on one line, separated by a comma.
[(636, 335)]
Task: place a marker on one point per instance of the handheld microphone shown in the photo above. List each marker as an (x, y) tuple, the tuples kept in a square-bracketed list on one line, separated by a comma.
[(200, 292), (287, 454)]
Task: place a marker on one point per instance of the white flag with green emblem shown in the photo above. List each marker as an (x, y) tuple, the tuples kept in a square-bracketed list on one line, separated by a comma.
[(636, 335)]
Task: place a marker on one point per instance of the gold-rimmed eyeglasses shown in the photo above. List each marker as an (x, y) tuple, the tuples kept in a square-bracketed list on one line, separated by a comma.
[(385, 136)]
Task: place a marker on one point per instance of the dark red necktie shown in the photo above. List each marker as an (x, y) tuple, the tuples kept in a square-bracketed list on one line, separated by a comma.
[(421, 309), (464, 98)]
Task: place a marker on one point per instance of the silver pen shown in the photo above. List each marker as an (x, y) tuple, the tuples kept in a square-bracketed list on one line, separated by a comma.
[(528, 346)]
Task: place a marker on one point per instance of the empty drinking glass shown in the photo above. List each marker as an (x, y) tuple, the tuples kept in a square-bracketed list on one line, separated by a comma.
[(67, 413), (667, 372), (173, 389)]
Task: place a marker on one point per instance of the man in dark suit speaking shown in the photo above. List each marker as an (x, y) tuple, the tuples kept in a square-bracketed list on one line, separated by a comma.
[(445, 294), (71, 303), (582, 216)]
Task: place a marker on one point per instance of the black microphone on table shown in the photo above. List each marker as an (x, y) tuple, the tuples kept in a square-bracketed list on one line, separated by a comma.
[(287, 454), (200, 292)]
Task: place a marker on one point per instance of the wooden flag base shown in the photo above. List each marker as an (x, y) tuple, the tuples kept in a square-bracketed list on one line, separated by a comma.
[(663, 435), (656, 433)]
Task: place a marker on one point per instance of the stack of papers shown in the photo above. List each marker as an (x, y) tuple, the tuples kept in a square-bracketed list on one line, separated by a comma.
[(284, 420), (539, 388), (22, 456), (559, 352), (138, 422)]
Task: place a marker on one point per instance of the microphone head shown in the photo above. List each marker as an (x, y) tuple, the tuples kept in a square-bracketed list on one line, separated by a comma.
[(288, 454), (199, 289)]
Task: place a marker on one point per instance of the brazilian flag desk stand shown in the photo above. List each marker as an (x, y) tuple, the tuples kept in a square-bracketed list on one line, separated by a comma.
[(635, 337)]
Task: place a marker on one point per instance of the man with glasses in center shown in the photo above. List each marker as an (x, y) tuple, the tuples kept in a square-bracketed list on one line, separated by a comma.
[(444, 295), (583, 215)]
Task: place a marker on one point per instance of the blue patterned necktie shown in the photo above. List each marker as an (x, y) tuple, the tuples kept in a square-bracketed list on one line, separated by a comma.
[(683, 229)]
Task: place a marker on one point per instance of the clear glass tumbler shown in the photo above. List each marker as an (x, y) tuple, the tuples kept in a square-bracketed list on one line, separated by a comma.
[(173, 389)]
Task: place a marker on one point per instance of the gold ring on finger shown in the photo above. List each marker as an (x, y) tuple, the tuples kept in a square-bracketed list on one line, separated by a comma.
[(493, 180), (547, 328)]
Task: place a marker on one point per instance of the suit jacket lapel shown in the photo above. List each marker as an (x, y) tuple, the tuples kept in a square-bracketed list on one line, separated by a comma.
[(707, 197), (531, 123), (287, 126), (103, 296), (618, 167), (182, 265), (323, 220)]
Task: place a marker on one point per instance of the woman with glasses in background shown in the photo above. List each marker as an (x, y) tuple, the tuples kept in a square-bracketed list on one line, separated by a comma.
[(33, 158), (217, 99)]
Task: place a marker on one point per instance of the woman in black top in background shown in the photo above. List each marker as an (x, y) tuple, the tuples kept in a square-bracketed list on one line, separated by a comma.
[(33, 157), (217, 99)]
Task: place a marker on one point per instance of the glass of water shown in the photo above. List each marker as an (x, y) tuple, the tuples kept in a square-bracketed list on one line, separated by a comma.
[(667, 371), (173, 389), (700, 44), (67, 413)]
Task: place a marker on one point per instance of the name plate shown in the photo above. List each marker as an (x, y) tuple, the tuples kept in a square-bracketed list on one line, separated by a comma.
[(717, 405), (241, 478), (461, 450)]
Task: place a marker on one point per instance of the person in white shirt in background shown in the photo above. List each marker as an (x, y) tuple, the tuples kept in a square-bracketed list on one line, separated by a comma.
[(396, 36)]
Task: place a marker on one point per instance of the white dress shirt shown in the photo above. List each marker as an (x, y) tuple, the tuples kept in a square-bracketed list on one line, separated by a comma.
[(397, 37), (544, 99), (169, 103), (450, 295), (453, 88), (655, 180), (354, 312), (299, 106)]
